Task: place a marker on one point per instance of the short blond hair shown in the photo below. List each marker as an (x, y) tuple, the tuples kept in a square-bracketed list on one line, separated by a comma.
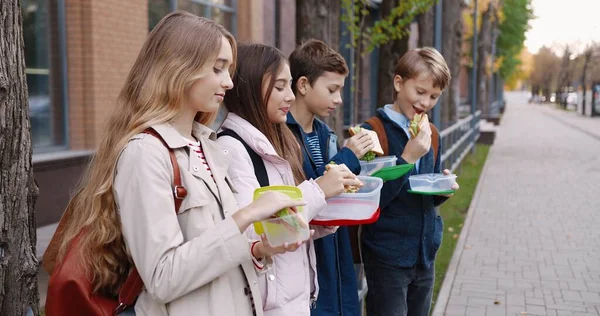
[(424, 60)]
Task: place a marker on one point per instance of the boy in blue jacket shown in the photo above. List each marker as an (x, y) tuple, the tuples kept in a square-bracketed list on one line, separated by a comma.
[(399, 249), (318, 74)]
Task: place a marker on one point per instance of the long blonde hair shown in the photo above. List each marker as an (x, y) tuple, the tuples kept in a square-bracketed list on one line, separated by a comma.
[(176, 50)]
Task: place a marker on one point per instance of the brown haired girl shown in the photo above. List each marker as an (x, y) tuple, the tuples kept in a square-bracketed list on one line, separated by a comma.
[(258, 107)]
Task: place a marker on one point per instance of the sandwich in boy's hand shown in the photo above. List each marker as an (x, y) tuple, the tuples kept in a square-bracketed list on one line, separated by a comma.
[(377, 150), (414, 124)]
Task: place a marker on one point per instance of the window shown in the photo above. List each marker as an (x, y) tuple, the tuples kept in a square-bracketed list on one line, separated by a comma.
[(220, 11), (157, 9), (43, 30)]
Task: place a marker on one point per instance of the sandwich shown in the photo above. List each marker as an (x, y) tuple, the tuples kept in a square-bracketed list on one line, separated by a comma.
[(414, 125), (377, 149), (347, 188)]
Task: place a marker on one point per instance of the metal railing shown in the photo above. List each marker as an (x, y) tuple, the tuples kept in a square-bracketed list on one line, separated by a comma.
[(496, 107), (458, 139)]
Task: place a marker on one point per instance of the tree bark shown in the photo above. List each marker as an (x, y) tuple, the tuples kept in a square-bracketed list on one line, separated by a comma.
[(484, 49), (586, 60), (389, 54), (320, 19), (452, 41), (426, 27), (18, 192), (564, 79)]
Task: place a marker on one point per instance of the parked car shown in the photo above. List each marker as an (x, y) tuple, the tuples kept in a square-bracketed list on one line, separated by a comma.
[(572, 98)]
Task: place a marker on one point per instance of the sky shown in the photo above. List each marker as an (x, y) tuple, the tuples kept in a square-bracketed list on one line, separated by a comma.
[(561, 22)]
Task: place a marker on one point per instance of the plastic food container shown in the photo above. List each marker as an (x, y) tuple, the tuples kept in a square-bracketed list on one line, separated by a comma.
[(290, 228), (357, 208), (432, 182), (286, 226), (367, 168)]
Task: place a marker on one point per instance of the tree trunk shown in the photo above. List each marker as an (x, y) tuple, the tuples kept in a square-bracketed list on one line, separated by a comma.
[(586, 60), (452, 24), (320, 19), (18, 262), (389, 54), (564, 78), (426, 27), (485, 45)]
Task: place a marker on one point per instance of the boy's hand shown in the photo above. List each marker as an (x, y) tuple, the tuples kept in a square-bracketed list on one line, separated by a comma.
[(420, 145), (455, 186), (360, 144)]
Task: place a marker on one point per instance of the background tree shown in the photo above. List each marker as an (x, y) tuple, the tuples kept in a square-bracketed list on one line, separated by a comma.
[(514, 23), (587, 56), (452, 49), (18, 192), (489, 20), (389, 34), (389, 54), (544, 75), (519, 78), (564, 77), (320, 19)]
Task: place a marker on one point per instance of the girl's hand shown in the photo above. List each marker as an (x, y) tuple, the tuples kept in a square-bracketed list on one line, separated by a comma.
[(263, 249), (335, 179), (262, 208)]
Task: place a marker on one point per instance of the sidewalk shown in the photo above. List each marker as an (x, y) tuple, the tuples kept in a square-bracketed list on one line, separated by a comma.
[(531, 243)]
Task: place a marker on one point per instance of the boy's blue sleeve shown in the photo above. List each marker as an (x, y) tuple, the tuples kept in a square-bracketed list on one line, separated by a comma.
[(438, 199), (344, 156), (392, 188)]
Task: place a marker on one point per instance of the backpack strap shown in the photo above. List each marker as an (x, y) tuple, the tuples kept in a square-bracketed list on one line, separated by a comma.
[(260, 171), (435, 142), (378, 128), (132, 287), (179, 191)]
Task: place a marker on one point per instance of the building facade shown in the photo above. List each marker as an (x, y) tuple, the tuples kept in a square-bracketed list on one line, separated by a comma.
[(78, 54)]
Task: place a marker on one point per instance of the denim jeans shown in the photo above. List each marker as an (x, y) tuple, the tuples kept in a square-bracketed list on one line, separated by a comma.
[(395, 291)]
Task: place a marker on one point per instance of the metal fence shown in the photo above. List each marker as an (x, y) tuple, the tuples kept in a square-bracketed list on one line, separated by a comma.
[(458, 139)]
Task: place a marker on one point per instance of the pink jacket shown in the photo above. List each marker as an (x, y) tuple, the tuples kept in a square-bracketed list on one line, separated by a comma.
[(290, 285)]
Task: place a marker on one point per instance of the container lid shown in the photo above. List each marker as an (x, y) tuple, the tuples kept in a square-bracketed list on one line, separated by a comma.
[(372, 183), (432, 193), (393, 172), (380, 160), (432, 177), (291, 191)]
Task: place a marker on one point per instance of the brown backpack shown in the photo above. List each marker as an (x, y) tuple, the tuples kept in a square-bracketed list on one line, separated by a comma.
[(377, 126), (70, 290)]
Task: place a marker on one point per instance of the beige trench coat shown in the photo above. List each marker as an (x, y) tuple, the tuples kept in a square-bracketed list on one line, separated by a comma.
[(196, 262)]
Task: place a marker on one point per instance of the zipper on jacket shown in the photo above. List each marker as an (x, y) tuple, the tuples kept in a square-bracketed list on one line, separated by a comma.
[(313, 301)]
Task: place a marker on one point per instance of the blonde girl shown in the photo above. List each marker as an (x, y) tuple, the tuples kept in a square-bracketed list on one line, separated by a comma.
[(196, 262)]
